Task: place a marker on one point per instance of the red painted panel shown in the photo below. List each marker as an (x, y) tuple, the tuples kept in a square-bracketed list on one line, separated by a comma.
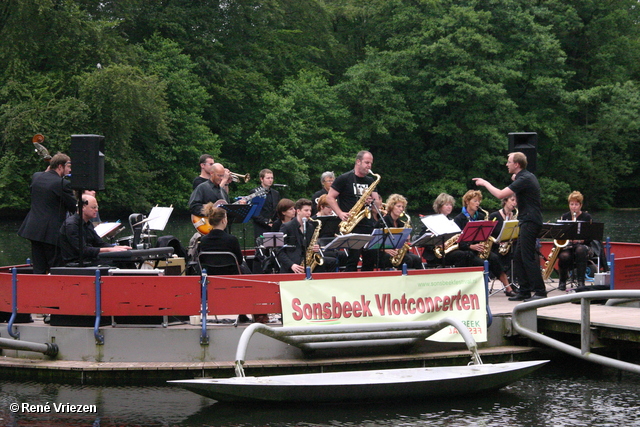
[(626, 273), (150, 295)]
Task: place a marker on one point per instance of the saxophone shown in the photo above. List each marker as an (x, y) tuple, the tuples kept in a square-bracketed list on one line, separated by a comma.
[(505, 247), (558, 245), (313, 259), (359, 210), (450, 245), (396, 260), (487, 244)]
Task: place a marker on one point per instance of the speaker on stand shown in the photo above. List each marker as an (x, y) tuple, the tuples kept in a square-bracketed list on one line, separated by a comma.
[(87, 162), (525, 142)]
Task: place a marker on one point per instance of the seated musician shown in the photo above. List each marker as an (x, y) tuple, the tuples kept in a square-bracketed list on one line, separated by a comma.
[(92, 243), (286, 211), (443, 204), (395, 218), (577, 252), (327, 233), (508, 212), (468, 253), (218, 240), (299, 242)]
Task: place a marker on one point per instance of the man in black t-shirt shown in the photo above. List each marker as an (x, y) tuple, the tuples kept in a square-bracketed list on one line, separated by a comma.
[(345, 192), (527, 190)]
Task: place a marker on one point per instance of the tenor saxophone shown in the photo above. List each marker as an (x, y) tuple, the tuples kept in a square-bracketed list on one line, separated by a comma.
[(450, 245), (313, 259), (397, 259), (359, 210)]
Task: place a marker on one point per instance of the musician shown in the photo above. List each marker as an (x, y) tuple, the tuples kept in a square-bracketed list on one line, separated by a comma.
[(443, 204), (263, 222), (526, 188), (577, 253), (468, 253), (507, 212), (51, 200), (328, 230), (206, 162), (92, 244), (209, 191), (326, 179), (219, 240), (299, 233), (396, 206), (345, 192), (286, 211)]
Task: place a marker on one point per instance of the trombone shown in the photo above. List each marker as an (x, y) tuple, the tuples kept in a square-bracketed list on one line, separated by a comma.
[(236, 177)]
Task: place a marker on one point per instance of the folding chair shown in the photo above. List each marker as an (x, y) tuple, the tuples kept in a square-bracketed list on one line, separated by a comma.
[(219, 263)]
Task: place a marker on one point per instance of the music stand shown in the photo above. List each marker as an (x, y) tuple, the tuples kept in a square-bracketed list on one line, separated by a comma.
[(330, 225), (273, 239), (589, 231), (558, 230), (243, 213), (349, 241), (477, 231), (442, 229), (394, 238)]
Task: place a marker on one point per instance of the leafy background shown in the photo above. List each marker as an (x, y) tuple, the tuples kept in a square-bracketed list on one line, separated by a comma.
[(430, 87)]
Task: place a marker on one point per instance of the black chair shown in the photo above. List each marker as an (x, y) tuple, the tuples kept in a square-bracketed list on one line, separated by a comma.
[(219, 263)]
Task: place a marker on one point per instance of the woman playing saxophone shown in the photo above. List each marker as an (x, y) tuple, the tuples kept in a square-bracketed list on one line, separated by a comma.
[(467, 254), (397, 218)]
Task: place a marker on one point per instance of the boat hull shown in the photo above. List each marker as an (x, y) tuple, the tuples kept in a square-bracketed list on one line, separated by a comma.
[(375, 385)]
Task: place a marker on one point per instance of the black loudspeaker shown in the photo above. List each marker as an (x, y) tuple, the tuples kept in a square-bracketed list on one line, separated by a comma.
[(87, 162), (524, 142)]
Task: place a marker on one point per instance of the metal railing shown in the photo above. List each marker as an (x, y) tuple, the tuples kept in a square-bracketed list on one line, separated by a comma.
[(309, 338), (584, 352)]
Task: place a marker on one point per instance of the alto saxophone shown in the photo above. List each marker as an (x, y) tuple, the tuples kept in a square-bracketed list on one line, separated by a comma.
[(313, 259), (359, 210), (450, 245), (505, 247), (487, 244), (396, 260)]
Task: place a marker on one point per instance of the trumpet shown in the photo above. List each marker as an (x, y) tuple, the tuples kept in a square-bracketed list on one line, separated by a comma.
[(236, 177)]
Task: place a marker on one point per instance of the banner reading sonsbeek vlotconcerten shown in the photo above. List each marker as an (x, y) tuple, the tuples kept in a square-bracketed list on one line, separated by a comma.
[(389, 299)]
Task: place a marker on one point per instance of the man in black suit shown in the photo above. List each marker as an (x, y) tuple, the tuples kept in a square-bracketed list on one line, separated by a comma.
[(262, 223), (299, 233), (51, 199)]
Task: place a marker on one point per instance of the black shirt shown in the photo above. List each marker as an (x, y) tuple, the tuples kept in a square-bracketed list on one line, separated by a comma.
[(205, 193), (221, 241), (69, 240), (350, 188), (527, 191)]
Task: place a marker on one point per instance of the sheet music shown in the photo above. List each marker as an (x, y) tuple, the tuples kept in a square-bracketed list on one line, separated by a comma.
[(159, 217), (105, 228), (440, 224)]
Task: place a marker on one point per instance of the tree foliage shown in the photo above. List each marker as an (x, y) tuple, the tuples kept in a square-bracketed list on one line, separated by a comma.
[(431, 87)]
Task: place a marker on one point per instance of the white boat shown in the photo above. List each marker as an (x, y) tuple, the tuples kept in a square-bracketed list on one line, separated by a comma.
[(376, 385)]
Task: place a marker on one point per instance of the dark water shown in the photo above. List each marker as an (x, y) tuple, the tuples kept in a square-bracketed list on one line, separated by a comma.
[(558, 395), (620, 226)]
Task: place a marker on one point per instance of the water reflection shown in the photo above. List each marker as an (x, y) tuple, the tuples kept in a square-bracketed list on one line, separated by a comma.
[(572, 393)]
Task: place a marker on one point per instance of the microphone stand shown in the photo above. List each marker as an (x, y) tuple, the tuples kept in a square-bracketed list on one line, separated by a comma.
[(304, 243), (386, 233)]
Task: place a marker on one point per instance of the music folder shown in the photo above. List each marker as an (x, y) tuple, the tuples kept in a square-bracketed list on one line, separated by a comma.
[(349, 241), (107, 230), (510, 231), (440, 229)]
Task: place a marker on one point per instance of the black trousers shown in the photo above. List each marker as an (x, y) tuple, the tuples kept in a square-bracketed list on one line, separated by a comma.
[(577, 255), (44, 256), (526, 263)]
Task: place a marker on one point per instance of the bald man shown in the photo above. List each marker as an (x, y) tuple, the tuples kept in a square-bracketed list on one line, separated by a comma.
[(92, 243), (209, 191)]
